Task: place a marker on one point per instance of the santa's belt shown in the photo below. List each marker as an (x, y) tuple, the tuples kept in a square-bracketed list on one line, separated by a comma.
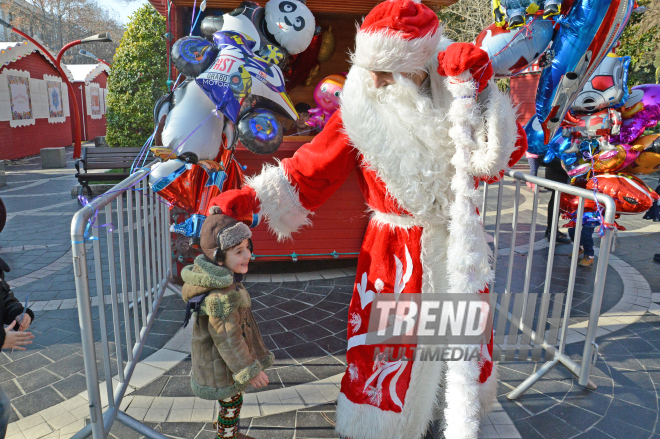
[(394, 220)]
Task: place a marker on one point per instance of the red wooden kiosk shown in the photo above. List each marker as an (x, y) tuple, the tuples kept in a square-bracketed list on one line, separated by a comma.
[(339, 225)]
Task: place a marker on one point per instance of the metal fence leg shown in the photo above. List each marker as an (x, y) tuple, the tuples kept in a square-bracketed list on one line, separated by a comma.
[(85, 318)]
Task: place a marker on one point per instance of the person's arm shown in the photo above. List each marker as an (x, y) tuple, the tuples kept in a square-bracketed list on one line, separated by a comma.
[(287, 193), (13, 307)]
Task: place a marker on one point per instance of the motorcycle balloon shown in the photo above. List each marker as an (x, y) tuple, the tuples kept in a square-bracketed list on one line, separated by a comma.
[(584, 38), (191, 109), (260, 132), (514, 50), (238, 73)]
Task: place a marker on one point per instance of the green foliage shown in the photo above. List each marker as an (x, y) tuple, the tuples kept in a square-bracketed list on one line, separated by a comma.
[(640, 41), (137, 80)]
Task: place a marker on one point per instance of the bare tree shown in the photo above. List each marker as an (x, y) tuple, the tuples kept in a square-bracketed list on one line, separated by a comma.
[(466, 18), (57, 22)]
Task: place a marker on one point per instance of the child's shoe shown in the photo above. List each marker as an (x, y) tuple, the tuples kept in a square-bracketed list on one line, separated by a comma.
[(580, 252), (587, 261)]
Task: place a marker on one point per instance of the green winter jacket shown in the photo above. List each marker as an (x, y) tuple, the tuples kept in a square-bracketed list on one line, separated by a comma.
[(227, 348)]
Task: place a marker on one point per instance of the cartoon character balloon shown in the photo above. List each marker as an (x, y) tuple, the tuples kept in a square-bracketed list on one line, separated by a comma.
[(327, 96), (582, 42), (290, 23), (511, 51)]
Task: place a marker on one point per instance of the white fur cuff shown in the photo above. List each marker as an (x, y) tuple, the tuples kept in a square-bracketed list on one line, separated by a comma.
[(280, 203)]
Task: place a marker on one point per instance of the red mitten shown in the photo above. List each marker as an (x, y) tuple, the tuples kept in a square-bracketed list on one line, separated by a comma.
[(461, 57), (239, 204)]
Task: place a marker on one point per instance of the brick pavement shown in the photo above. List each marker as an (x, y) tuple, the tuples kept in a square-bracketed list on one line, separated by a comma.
[(304, 322)]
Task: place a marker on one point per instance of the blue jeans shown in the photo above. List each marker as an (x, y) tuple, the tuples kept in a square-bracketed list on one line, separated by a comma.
[(533, 165), (5, 411), (586, 239)]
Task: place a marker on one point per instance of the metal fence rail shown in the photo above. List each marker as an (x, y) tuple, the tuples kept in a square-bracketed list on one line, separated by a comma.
[(538, 322), (130, 228)]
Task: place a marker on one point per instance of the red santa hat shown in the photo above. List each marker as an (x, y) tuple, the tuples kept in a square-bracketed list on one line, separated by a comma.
[(397, 36)]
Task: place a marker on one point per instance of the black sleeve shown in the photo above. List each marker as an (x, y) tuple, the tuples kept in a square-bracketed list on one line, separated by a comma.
[(12, 307)]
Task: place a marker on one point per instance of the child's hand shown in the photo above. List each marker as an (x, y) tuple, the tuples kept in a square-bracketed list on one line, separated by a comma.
[(261, 380)]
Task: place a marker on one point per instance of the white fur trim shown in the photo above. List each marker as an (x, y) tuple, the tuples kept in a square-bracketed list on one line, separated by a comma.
[(391, 220), (386, 52), (363, 421), (488, 392), (280, 203)]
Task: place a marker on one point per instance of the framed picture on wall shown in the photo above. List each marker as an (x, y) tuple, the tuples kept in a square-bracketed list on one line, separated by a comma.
[(20, 99), (55, 99), (95, 100)]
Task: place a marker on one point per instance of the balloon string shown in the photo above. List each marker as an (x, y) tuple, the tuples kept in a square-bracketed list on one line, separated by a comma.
[(193, 21), (599, 208)]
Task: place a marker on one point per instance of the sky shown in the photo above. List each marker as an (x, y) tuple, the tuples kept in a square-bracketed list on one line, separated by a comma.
[(122, 8)]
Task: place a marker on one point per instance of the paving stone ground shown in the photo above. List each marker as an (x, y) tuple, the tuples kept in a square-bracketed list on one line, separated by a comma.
[(304, 322)]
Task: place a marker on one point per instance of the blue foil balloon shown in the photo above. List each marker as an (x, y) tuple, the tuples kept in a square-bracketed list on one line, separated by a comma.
[(585, 36)]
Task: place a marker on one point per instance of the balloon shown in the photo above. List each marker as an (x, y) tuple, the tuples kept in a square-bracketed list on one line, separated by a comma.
[(327, 96), (327, 46), (511, 51), (238, 72), (607, 87), (650, 143), (648, 160), (302, 64), (189, 109), (614, 160), (584, 38), (291, 23), (260, 132), (641, 111), (191, 186), (193, 55), (535, 143), (577, 169), (631, 195)]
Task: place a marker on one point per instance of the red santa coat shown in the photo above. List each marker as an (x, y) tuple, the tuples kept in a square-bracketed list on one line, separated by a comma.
[(402, 252)]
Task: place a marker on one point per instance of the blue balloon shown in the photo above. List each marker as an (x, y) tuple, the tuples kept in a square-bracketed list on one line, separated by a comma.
[(536, 144), (585, 36)]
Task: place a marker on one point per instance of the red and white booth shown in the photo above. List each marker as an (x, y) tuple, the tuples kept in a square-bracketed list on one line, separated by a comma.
[(523, 92), (90, 85), (34, 103)]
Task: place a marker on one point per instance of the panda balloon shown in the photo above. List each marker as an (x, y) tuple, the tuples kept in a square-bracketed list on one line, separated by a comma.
[(287, 24)]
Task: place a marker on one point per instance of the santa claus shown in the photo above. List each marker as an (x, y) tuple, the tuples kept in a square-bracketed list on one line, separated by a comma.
[(421, 123)]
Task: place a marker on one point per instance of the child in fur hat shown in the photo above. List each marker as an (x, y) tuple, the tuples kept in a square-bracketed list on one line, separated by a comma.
[(228, 352)]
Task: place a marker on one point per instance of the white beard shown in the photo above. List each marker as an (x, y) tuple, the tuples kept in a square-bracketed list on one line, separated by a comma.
[(404, 138)]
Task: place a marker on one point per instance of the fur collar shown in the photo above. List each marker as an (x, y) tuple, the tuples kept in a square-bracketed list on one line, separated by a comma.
[(206, 274)]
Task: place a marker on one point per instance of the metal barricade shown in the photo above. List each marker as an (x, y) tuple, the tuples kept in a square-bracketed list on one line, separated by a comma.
[(527, 322), (142, 265)]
